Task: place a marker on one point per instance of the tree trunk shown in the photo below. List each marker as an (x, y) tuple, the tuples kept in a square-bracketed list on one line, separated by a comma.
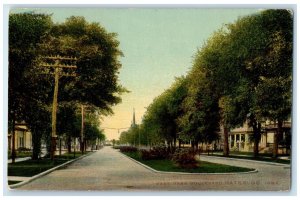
[(277, 133), (193, 144), (36, 145), (74, 142), (175, 142), (255, 148), (256, 126), (226, 146), (257, 133), (13, 149), (69, 144)]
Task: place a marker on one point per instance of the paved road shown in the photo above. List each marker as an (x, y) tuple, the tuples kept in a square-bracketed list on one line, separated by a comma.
[(108, 170)]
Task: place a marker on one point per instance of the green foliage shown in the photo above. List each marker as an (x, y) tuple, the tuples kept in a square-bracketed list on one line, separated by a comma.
[(33, 37), (128, 149), (203, 167), (131, 136), (156, 153), (185, 158), (160, 121), (97, 63), (200, 118), (27, 95)]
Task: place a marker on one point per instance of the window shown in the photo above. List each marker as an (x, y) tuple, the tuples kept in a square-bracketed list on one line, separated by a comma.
[(21, 142)]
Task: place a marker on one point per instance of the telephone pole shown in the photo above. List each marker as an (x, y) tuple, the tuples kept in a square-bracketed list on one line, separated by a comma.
[(82, 129), (59, 65)]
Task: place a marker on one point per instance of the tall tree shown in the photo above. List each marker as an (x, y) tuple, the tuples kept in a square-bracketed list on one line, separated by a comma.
[(32, 38), (199, 123), (26, 96), (263, 44)]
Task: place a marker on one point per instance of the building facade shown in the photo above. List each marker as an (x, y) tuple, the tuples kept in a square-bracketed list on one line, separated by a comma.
[(240, 139), (23, 137)]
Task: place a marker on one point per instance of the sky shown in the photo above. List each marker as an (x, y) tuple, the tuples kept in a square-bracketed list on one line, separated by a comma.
[(158, 45)]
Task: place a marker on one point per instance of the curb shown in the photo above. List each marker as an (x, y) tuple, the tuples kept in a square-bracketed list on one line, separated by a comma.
[(187, 173), (46, 172), (247, 160)]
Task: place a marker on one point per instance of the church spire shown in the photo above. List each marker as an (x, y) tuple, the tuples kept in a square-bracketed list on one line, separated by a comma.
[(133, 119)]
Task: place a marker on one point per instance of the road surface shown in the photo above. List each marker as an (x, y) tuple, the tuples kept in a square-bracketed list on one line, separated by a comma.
[(109, 170)]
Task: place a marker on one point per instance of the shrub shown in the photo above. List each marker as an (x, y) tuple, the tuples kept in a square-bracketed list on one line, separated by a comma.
[(146, 154), (156, 153), (23, 149), (185, 158), (125, 149)]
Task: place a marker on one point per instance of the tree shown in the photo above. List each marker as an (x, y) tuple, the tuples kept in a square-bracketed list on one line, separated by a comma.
[(32, 38), (263, 42), (241, 61), (69, 122), (97, 56), (26, 96), (199, 122), (160, 120), (92, 133)]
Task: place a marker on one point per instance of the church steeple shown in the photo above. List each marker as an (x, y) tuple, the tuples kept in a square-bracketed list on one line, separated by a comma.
[(133, 119)]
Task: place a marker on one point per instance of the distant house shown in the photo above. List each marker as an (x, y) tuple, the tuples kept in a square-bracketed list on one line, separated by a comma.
[(240, 138), (23, 137)]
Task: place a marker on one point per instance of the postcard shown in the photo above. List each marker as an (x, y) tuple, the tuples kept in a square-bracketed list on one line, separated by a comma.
[(150, 99)]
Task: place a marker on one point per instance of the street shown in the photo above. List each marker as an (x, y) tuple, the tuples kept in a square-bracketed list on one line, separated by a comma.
[(108, 169)]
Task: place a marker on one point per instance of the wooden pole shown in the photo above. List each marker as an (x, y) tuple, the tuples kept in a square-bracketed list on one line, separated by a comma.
[(58, 66), (82, 129), (54, 112)]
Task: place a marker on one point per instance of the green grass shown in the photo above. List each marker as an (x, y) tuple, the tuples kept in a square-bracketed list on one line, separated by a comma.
[(20, 154), (30, 168), (203, 167), (13, 182), (69, 155)]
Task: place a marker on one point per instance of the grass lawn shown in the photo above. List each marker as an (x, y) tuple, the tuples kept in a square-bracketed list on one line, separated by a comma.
[(20, 154), (69, 156), (13, 182), (203, 167), (30, 168)]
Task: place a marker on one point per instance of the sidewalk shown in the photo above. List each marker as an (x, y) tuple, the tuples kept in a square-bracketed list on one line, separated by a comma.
[(19, 159), (244, 156), (18, 178)]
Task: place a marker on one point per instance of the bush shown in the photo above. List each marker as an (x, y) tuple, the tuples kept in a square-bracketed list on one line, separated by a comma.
[(185, 158), (126, 149), (156, 153), (23, 149), (146, 155)]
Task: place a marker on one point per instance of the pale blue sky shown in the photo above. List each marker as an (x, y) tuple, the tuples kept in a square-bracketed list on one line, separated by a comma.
[(158, 45)]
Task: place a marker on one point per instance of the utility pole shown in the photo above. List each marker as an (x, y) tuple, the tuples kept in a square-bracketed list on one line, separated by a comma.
[(83, 144), (13, 149), (82, 128), (58, 67)]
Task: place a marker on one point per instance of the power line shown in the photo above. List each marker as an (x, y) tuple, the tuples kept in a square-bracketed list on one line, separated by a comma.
[(114, 128)]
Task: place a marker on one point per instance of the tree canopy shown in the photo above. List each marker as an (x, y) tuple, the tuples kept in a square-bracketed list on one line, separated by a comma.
[(33, 38), (243, 73)]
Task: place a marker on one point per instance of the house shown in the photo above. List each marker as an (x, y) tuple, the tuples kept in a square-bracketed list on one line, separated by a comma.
[(240, 138), (23, 137)]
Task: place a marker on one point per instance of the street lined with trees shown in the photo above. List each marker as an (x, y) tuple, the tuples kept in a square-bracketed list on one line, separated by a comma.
[(33, 38), (243, 73), (63, 77)]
